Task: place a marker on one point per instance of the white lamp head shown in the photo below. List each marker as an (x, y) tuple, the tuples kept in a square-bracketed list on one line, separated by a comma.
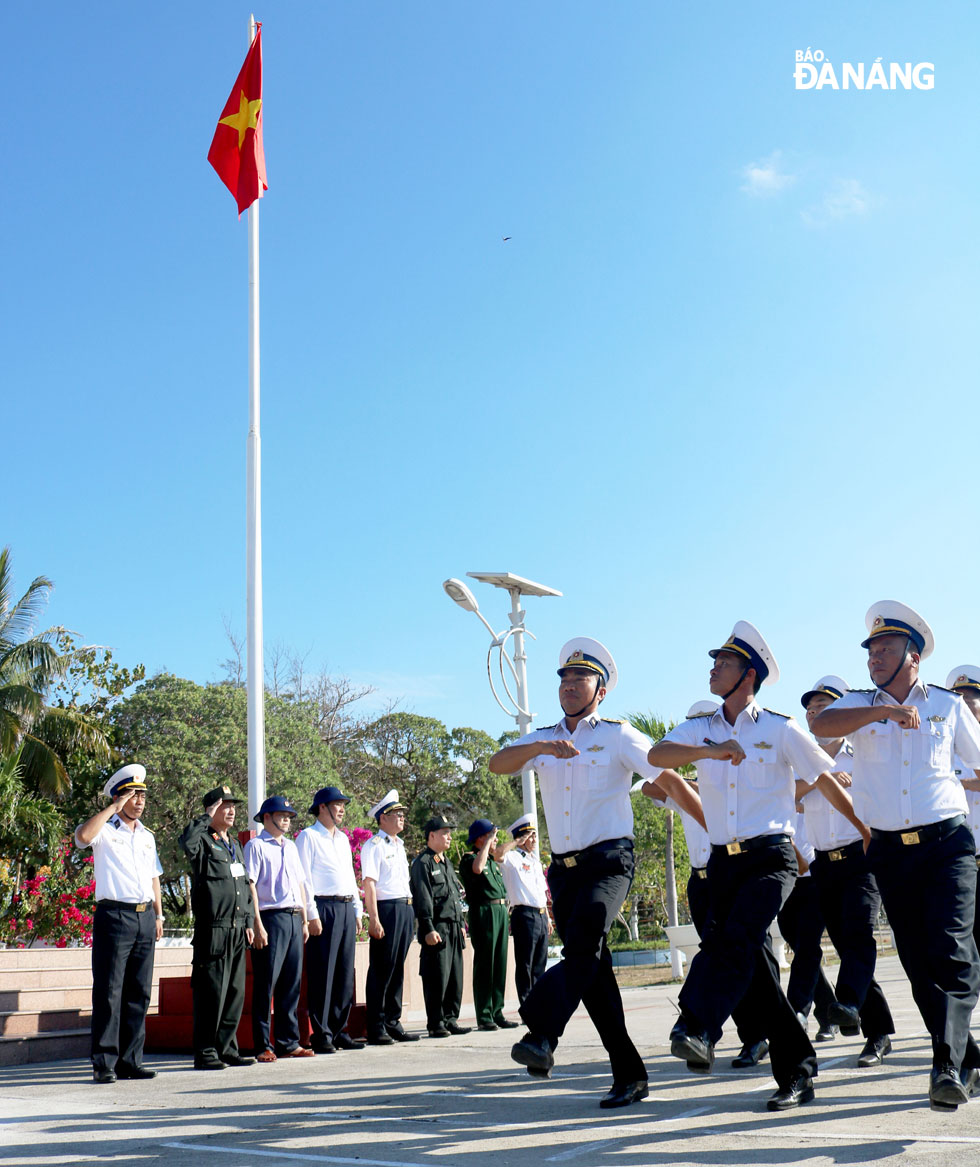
[(460, 594)]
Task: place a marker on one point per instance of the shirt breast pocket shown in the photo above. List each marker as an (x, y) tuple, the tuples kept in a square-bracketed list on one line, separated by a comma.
[(762, 770), (936, 743), (876, 742), (598, 774)]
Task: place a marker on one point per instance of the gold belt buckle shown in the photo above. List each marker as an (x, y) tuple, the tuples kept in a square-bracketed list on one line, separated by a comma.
[(733, 848), (141, 907), (702, 874), (910, 837), (570, 861), (833, 856)]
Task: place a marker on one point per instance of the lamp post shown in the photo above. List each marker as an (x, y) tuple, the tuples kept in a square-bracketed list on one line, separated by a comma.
[(518, 705)]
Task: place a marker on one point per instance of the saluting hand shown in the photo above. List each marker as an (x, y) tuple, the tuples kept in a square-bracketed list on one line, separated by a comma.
[(728, 751), (122, 798), (907, 716), (559, 749)]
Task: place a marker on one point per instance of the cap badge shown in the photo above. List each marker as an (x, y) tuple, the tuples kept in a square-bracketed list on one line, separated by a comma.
[(877, 621), (962, 679)]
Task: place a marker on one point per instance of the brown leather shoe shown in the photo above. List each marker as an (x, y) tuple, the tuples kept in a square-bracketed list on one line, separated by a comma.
[(300, 1052), (266, 1056)]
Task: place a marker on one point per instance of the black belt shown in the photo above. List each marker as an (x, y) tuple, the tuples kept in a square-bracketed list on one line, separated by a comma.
[(700, 872), (574, 858), (749, 844), (334, 899), (291, 911), (403, 900), (927, 834), (846, 852), (532, 908), (128, 907)]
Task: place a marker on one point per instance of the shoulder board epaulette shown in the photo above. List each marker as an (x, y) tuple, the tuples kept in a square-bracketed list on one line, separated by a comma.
[(148, 831), (698, 716), (942, 689), (862, 690), (614, 720), (784, 716), (542, 728)]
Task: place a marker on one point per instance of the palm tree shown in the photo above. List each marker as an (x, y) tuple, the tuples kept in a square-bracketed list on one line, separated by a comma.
[(42, 736)]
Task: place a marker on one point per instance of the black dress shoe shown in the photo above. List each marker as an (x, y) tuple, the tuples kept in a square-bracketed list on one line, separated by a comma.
[(695, 1049), (971, 1080), (535, 1053), (488, 1026), (380, 1039), (874, 1051), (323, 1047), (135, 1073), (456, 1029), (209, 1061), (826, 1032), (400, 1034), (625, 1094), (503, 1023), (104, 1077), (440, 1031), (750, 1055), (946, 1091), (345, 1041), (847, 1017), (237, 1060), (800, 1090)]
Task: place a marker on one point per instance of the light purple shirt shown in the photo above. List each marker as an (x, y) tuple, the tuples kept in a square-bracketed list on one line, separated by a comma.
[(276, 869)]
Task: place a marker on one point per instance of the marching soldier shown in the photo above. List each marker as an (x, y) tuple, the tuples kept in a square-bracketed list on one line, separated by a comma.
[(225, 916), (128, 922), (438, 903), (746, 758), (904, 734)]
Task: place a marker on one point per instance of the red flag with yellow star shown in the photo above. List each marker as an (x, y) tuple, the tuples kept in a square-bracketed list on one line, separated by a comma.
[(236, 149)]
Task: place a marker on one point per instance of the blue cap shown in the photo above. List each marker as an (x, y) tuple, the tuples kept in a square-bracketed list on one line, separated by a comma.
[(478, 829), (275, 805), (327, 794)]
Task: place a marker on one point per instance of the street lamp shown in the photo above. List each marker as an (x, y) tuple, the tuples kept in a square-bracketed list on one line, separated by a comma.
[(518, 706)]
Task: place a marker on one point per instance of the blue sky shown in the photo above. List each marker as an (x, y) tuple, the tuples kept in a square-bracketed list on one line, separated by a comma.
[(724, 368)]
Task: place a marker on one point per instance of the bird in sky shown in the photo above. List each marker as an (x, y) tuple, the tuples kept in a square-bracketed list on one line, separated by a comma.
[(507, 237)]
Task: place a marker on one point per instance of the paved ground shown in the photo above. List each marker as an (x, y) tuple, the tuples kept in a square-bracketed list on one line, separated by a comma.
[(462, 1100)]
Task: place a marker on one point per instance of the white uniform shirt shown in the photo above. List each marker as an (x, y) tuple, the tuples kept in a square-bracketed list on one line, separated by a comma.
[(698, 843), (757, 797), (126, 862), (972, 800), (587, 799), (328, 861), (524, 879), (903, 778), (802, 841), (383, 860), (826, 827)]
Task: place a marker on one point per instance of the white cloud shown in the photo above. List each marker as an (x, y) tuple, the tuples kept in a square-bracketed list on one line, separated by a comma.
[(766, 178), (845, 199)]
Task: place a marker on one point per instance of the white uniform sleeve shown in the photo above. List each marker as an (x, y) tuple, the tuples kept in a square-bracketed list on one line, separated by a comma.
[(370, 861), (253, 861), (689, 733), (802, 752), (966, 742), (633, 749)]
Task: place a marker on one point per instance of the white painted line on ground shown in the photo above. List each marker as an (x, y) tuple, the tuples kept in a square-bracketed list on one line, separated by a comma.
[(251, 1153), (689, 1114), (574, 1152), (865, 1137), (833, 1062)]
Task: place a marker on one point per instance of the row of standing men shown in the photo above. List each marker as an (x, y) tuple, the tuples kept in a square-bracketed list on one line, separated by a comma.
[(287, 899)]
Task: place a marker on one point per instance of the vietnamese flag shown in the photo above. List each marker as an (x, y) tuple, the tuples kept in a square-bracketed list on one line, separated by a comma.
[(236, 149)]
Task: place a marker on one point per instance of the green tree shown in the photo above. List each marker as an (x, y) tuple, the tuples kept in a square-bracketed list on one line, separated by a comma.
[(42, 735)]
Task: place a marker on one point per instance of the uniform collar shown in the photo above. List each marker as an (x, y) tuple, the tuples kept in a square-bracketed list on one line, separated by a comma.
[(439, 858), (316, 825), (752, 710), (918, 690), (592, 721), (120, 825), (267, 838), (385, 835)]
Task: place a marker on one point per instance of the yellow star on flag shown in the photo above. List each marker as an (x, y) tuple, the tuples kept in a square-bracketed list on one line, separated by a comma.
[(247, 117)]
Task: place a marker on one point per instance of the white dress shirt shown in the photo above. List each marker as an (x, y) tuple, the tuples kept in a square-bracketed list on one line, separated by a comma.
[(903, 778), (757, 797), (383, 860), (696, 837), (126, 862), (328, 861), (524, 879), (274, 866), (826, 827), (972, 800), (587, 798), (802, 841)]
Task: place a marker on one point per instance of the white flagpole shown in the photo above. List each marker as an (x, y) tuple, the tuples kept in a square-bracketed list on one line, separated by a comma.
[(256, 668)]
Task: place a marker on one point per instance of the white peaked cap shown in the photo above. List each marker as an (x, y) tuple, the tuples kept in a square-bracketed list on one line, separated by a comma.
[(585, 653)]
